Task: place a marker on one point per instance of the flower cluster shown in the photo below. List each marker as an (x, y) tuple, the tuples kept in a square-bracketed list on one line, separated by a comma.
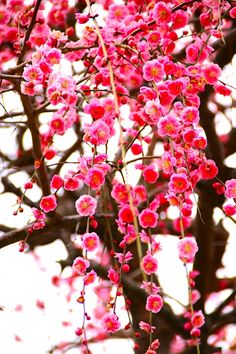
[(134, 82)]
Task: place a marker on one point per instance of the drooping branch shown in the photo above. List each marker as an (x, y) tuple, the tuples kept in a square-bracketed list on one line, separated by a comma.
[(29, 31), (32, 118)]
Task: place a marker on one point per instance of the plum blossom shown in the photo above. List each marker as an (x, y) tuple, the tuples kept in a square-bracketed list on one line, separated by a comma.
[(57, 125), (230, 188), (113, 276), (80, 265), (48, 203), (71, 183), (56, 182), (229, 209), (120, 193), (178, 183), (153, 70), (144, 326), (123, 258), (98, 133), (150, 174), (33, 74), (86, 205), (208, 170), (126, 214), (150, 287), (110, 323), (148, 218), (154, 303), (149, 264), (161, 13), (154, 111), (190, 115), (167, 162), (140, 194), (168, 126), (117, 12), (40, 219), (90, 241), (95, 178), (198, 319), (187, 248), (195, 296), (179, 19), (212, 73), (90, 277)]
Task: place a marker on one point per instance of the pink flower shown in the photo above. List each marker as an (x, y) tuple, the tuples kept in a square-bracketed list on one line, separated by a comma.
[(208, 170), (187, 248), (71, 183), (98, 133), (94, 108), (140, 193), (32, 73), (148, 218), (198, 319), (28, 88), (90, 277), (38, 225), (110, 323), (150, 174), (57, 125), (232, 12), (40, 219), (120, 193), (54, 95), (117, 12), (113, 276), (154, 37), (144, 326), (230, 188), (5, 15), (95, 178), (54, 56), (192, 52), (90, 241), (229, 209), (149, 264), (190, 115), (80, 265), (167, 162), (195, 296), (222, 89), (175, 88), (179, 19), (82, 18), (48, 203), (168, 126), (178, 183), (154, 303), (56, 182), (38, 214), (212, 73), (200, 142), (153, 70), (86, 205), (126, 214), (150, 287), (161, 13), (154, 111), (123, 258)]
